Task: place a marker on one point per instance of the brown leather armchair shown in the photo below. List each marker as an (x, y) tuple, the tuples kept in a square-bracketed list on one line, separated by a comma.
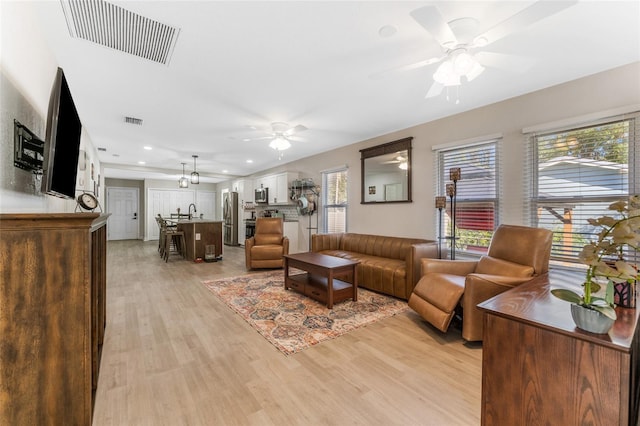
[(516, 255), (267, 246)]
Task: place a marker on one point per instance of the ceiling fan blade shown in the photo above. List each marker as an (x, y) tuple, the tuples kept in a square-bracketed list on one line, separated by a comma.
[(408, 67), (434, 90), (534, 13), (430, 18), (256, 139), (511, 63), (293, 130)]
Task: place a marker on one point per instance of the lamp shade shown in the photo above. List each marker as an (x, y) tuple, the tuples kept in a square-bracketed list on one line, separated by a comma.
[(279, 143), (183, 182), (195, 176)]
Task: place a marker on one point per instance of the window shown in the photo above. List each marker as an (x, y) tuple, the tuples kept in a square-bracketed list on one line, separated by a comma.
[(477, 193), (335, 201), (575, 175)]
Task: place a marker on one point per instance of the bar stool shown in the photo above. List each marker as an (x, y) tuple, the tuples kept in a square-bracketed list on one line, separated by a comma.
[(161, 227), (174, 239)]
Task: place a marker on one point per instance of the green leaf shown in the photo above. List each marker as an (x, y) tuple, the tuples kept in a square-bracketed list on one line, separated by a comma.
[(606, 310), (567, 295), (609, 294)]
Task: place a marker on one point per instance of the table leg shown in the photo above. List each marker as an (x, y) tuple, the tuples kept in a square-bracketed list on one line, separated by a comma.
[(330, 290), (355, 283), (286, 272)]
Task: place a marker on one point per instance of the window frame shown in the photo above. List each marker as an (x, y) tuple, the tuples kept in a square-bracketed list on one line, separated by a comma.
[(441, 178), (326, 205), (596, 205)]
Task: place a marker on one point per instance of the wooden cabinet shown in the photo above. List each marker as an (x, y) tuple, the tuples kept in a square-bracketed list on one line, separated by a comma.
[(538, 368), (199, 234), (52, 316)]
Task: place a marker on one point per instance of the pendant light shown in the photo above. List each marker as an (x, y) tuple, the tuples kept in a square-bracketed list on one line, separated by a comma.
[(195, 177), (183, 182)]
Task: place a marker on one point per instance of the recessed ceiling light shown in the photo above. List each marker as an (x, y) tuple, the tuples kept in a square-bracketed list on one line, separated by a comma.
[(249, 161), (246, 140), (142, 162), (225, 171), (148, 148), (387, 31)]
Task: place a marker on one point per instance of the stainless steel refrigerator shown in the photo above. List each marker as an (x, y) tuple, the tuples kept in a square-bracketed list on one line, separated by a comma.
[(230, 216)]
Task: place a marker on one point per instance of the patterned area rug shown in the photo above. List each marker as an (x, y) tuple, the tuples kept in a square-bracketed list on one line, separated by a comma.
[(293, 322)]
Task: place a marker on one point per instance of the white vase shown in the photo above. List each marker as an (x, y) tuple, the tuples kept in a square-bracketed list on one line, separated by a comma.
[(591, 320)]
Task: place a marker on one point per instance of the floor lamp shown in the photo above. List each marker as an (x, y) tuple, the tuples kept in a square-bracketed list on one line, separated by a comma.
[(441, 203), (452, 189)]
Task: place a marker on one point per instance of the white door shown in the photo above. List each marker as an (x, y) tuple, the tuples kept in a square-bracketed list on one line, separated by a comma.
[(164, 202), (124, 223)]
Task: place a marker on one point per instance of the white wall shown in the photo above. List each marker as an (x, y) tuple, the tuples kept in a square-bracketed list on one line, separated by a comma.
[(609, 90), (27, 72)]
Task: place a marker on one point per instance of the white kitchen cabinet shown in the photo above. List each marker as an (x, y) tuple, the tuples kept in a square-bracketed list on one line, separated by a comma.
[(278, 185), (281, 195)]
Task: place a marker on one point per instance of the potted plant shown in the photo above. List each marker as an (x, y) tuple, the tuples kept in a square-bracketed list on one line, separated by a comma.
[(606, 263)]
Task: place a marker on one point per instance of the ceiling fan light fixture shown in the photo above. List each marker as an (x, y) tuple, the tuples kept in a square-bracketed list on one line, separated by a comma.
[(463, 63), (446, 75), (279, 143), (475, 71), (458, 65)]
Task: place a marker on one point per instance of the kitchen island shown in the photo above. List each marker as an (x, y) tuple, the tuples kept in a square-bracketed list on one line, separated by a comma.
[(200, 233)]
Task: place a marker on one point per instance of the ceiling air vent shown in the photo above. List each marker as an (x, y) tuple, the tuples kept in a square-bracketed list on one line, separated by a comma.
[(112, 26), (133, 120)]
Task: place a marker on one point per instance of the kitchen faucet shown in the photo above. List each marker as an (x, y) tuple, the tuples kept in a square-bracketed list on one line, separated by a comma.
[(194, 210)]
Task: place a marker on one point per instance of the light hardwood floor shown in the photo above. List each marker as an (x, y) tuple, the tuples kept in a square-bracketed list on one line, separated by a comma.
[(174, 354)]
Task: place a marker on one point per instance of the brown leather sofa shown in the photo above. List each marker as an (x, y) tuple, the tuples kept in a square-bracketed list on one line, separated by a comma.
[(267, 246), (389, 265), (516, 255)]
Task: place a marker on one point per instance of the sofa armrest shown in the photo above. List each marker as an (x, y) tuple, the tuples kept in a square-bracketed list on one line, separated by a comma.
[(478, 288), (320, 242), (444, 266), (418, 252), (285, 245), (248, 243)]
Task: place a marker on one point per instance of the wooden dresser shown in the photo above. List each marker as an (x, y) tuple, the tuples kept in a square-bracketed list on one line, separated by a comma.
[(538, 368), (52, 316)]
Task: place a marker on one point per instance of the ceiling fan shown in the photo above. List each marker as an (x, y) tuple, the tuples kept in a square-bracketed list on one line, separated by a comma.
[(400, 160), (280, 134), (460, 37)]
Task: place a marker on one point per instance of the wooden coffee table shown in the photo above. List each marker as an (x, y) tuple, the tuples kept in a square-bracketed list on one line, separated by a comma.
[(320, 282)]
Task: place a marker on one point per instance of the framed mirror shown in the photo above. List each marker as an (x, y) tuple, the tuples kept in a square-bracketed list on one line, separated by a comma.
[(386, 173)]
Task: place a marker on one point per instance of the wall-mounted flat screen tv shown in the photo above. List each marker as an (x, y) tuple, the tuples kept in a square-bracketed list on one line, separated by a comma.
[(62, 141)]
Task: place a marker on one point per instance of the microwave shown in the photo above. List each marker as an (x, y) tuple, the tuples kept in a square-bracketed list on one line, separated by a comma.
[(262, 195)]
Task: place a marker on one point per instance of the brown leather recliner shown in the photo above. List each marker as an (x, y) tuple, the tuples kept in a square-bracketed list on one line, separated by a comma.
[(266, 248), (516, 255)]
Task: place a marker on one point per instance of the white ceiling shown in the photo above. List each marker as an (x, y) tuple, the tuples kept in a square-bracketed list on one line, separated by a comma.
[(238, 64)]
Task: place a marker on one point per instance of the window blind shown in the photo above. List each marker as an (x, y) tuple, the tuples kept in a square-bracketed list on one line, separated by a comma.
[(575, 174), (335, 201), (477, 193)]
